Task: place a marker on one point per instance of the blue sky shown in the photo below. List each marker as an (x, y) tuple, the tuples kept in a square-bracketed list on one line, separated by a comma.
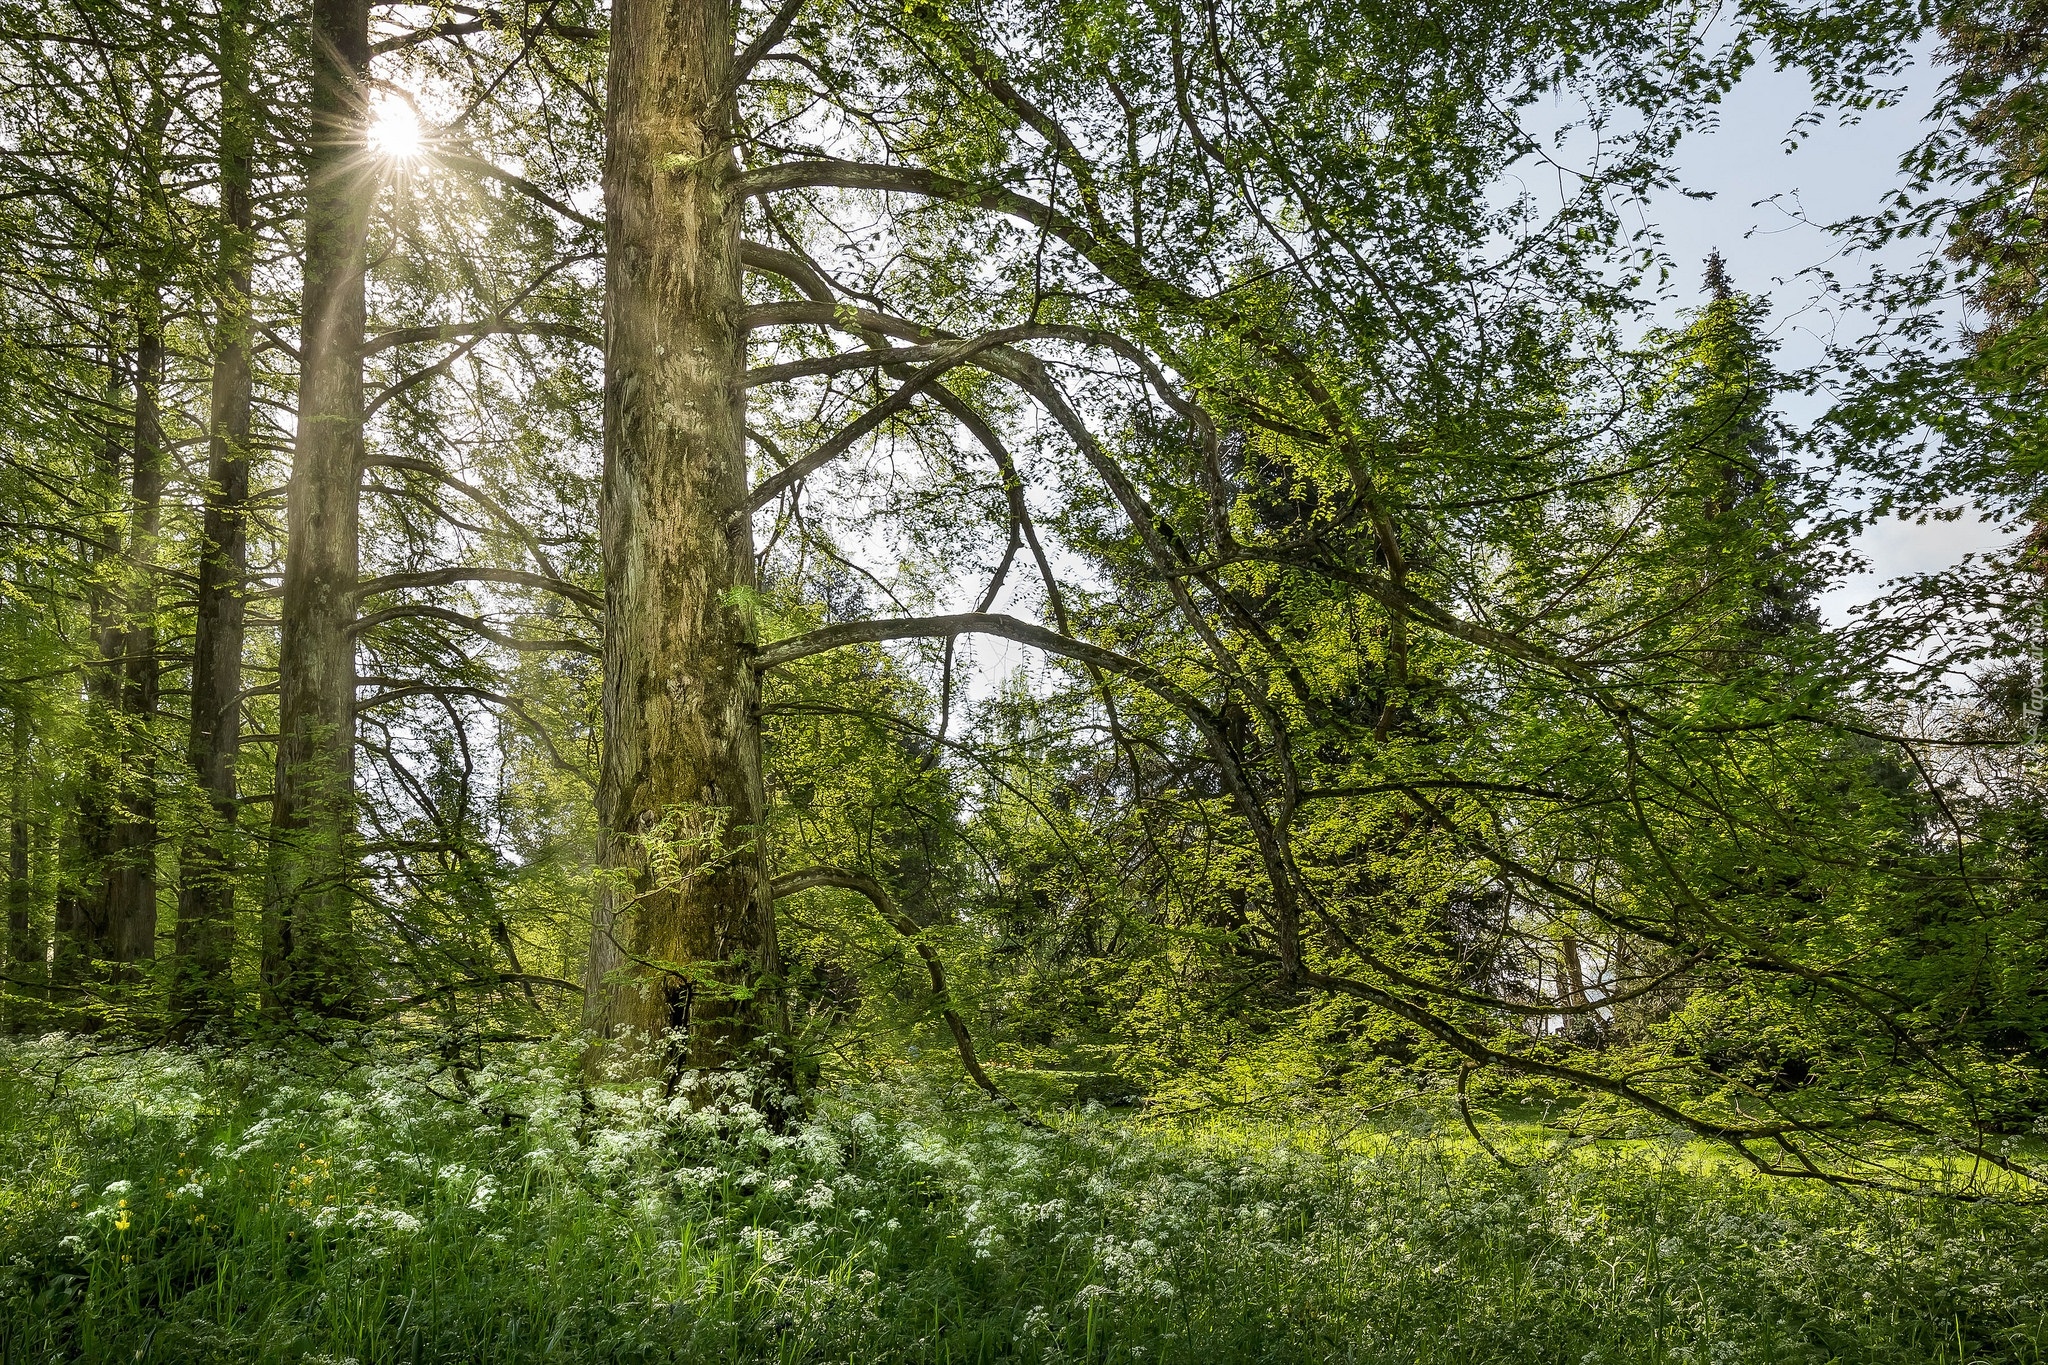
[(1767, 218)]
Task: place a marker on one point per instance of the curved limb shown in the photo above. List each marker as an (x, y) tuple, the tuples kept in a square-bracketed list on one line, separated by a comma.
[(790, 883), (477, 627), (440, 578)]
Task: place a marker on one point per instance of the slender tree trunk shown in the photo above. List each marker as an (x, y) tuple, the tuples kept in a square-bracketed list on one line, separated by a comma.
[(683, 951), (1287, 931), (201, 987), (308, 952), (24, 962), (1574, 970), (80, 927), (130, 886), (71, 925)]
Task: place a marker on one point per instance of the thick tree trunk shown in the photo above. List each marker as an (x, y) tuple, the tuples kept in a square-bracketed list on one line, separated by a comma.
[(201, 986), (129, 917), (683, 969), (308, 952)]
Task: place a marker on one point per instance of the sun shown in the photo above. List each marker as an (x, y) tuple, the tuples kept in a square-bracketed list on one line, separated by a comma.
[(395, 133)]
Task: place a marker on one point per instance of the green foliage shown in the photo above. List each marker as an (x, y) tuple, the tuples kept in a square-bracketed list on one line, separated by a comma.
[(1431, 681)]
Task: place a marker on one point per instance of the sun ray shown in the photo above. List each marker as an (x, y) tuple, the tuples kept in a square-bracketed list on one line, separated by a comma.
[(395, 133)]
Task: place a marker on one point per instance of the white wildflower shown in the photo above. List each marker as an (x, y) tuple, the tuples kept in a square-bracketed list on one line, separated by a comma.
[(388, 1220)]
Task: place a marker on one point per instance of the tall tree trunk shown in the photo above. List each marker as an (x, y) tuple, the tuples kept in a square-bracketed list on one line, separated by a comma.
[(24, 962), (130, 886), (1574, 969), (1585, 1028), (308, 951), (683, 952), (80, 921), (201, 986)]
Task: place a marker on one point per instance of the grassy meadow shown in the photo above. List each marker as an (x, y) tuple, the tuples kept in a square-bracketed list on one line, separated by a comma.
[(193, 1206)]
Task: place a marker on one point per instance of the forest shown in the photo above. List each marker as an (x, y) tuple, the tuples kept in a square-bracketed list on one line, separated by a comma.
[(1017, 680)]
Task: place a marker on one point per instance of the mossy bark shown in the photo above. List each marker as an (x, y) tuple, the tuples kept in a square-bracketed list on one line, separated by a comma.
[(683, 971), (129, 913), (200, 985), (308, 949)]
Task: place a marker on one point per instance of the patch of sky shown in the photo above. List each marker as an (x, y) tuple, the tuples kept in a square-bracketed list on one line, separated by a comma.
[(1777, 180)]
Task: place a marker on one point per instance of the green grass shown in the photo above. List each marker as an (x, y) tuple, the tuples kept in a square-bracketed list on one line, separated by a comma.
[(189, 1206)]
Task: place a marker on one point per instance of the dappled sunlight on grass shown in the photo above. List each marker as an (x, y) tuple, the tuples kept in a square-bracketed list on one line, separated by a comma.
[(195, 1206)]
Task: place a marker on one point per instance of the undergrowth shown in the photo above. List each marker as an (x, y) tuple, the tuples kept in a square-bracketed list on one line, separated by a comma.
[(196, 1206)]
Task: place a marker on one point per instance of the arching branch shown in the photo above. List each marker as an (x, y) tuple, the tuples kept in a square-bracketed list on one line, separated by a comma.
[(525, 979), (477, 627), (1121, 264), (843, 440), (1114, 258), (845, 316), (1028, 373), (773, 260), (1735, 1136), (1214, 736), (486, 327), (399, 690), (791, 883), (440, 578), (750, 56), (478, 166), (1397, 597), (476, 495), (980, 623), (812, 366), (484, 21)]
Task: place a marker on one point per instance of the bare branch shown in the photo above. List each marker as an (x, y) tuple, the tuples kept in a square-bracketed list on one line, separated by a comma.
[(390, 1008), (763, 44), (439, 578), (791, 883), (401, 689), (484, 21), (475, 626), (1397, 597), (456, 161), (476, 495), (979, 623), (843, 440), (1114, 258), (488, 327), (1120, 263)]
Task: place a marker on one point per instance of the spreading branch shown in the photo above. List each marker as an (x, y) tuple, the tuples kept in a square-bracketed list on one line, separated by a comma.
[(477, 627), (441, 578), (791, 883)]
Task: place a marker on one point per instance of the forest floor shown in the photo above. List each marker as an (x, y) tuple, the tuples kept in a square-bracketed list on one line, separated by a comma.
[(192, 1206)]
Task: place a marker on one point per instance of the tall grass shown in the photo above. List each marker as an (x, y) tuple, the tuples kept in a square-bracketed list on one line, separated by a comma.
[(179, 1206)]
